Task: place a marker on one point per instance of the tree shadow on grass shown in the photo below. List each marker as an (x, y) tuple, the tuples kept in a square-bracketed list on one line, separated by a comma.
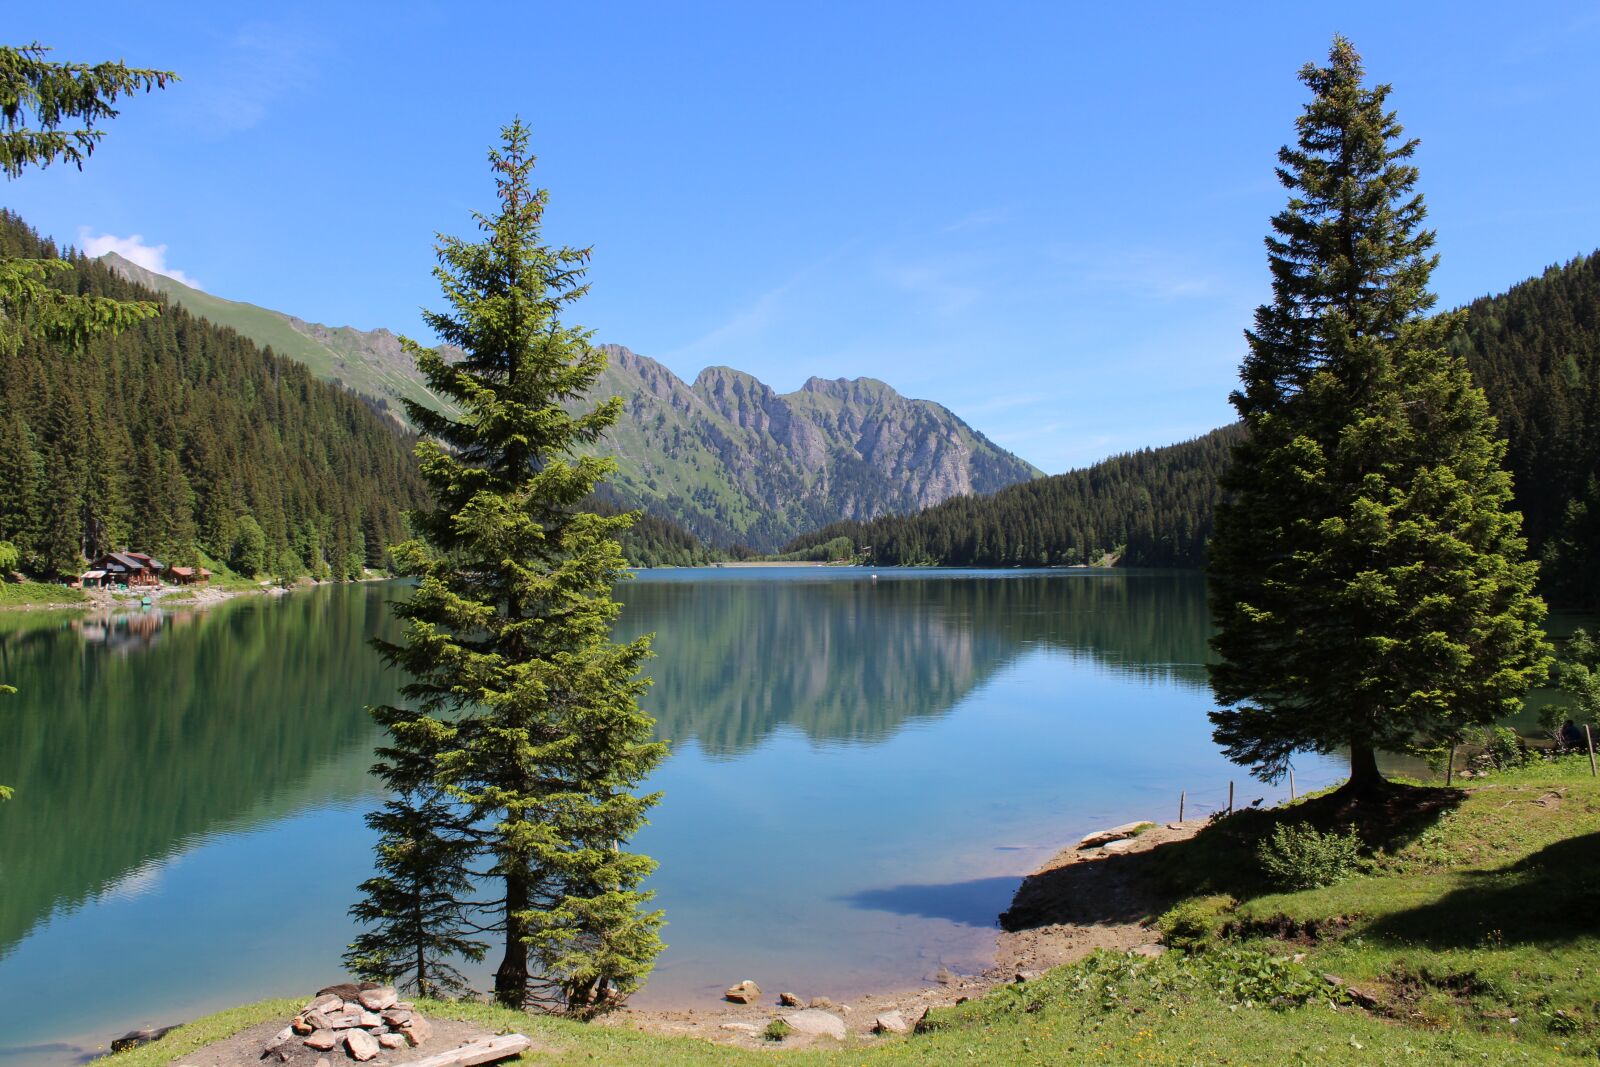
[(1547, 898), (1222, 858), (1133, 888), (971, 903)]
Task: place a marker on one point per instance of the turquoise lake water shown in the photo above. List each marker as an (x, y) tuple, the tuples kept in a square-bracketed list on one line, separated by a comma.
[(862, 769)]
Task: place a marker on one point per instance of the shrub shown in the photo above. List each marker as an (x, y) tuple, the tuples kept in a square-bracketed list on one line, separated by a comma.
[(1504, 748), (9, 557), (1192, 925), (777, 1030), (1246, 976), (1301, 857)]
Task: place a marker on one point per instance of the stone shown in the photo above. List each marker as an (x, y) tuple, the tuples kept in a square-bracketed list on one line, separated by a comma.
[(746, 992), (369, 1019), (322, 1041), (361, 1045), (318, 1020), (1116, 848), (742, 1028), (417, 1030), (816, 1023), (322, 1061), (1151, 951), (924, 1022), (378, 999), (391, 1040), (820, 1002), (890, 1022), (280, 1045), (325, 1004), (1115, 833), (300, 1026), (343, 990), (789, 1000), (396, 1016)]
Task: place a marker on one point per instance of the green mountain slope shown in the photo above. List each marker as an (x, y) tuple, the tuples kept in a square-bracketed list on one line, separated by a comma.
[(1535, 350), (727, 458), (367, 362)]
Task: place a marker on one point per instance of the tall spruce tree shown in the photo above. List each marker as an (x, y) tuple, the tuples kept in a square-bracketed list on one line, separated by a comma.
[(524, 710), (1369, 584)]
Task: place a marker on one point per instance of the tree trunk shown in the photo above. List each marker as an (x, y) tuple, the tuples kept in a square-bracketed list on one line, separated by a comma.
[(1364, 774), (511, 978), (422, 956)]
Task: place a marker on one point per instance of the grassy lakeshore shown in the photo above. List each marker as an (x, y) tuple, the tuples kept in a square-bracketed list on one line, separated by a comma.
[(40, 595), (1469, 934)]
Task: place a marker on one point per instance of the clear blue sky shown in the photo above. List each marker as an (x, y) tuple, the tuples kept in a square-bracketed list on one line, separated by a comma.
[(1043, 215)]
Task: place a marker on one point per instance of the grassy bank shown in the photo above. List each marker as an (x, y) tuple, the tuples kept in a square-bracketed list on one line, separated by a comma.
[(1469, 933), (39, 595)]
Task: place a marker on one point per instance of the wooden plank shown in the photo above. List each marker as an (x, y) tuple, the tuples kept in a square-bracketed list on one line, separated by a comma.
[(487, 1050)]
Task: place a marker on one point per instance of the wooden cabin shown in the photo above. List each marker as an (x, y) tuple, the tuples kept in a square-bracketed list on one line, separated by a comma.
[(189, 575), (127, 568)]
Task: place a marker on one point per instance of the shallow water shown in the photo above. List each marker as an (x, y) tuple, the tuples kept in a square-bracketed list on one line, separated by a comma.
[(862, 768)]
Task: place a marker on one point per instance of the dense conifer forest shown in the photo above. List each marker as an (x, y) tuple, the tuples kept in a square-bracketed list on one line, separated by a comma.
[(1535, 350), (1152, 507), (178, 437)]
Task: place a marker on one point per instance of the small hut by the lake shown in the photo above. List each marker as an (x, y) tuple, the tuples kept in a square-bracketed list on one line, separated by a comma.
[(126, 568)]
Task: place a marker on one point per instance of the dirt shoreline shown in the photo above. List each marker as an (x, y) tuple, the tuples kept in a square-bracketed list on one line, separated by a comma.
[(103, 601), (1077, 902)]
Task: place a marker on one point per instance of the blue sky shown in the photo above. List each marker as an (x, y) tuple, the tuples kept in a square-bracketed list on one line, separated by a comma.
[(1046, 216)]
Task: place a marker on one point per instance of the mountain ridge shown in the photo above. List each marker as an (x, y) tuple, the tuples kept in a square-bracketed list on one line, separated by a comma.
[(725, 456)]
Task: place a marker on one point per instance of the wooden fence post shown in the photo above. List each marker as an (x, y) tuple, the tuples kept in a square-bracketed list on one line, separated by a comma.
[(1230, 797), (1588, 736), (1450, 765), (1182, 796), (1291, 783)]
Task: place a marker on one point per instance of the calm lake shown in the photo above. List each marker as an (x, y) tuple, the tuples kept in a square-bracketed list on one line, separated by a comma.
[(862, 769)]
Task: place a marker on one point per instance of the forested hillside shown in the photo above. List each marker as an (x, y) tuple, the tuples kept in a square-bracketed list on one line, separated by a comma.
[(179, 436), (1153, 507), (1535, 350)]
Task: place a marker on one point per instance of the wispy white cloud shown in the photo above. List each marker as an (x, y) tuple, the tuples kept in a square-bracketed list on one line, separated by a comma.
[(750, 323), (1143, 273), (134, 249), (934, 283), (255, 67)]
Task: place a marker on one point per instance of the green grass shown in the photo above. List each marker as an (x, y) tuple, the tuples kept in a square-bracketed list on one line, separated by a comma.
[(1472, 935), (39, 594), (1484, 919)]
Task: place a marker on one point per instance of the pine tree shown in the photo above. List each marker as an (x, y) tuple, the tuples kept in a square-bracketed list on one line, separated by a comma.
[(1369, 584), (416, 905), (527, 711)]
